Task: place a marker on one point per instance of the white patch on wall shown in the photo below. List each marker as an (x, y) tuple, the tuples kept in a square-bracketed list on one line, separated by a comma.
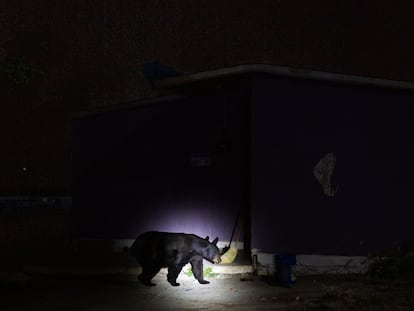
[(323, 172)]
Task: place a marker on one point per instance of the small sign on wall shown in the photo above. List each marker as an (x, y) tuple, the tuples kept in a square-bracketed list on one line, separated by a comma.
[(200, 160)]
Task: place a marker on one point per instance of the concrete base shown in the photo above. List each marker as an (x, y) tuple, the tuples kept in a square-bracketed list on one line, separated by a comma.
[(92, 257), (316, 264), (125, 264)]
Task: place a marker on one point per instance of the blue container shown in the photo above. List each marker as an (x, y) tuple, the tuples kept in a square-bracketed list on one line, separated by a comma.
[(285, 268)]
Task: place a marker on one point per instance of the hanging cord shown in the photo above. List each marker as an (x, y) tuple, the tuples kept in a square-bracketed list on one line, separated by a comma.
[(226, 248)]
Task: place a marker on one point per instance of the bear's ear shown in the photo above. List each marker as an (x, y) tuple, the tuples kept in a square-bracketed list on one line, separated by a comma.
[(207, 238), (215, 241)]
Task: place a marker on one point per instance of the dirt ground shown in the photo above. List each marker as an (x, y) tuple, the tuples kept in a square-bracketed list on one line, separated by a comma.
[(235, 292)]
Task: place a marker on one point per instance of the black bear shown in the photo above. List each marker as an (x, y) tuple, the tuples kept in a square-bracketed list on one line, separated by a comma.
[(155, 250)]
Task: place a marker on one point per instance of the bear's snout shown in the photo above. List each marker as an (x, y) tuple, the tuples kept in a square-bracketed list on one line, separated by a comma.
[(217, 259)]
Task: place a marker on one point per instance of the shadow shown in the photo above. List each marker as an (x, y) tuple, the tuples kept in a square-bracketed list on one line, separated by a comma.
[(274, 281)]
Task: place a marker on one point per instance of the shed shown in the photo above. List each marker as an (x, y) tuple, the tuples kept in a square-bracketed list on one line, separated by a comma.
[(315, 162)]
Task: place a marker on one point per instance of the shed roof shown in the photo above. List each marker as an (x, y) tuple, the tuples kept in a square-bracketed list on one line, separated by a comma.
[(186, 83), (229, 73)]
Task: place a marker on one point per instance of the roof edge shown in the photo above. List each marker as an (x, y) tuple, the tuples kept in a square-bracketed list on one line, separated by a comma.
[(284, 71)]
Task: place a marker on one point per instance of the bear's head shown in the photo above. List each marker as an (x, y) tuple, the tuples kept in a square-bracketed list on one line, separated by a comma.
[(210, 251)]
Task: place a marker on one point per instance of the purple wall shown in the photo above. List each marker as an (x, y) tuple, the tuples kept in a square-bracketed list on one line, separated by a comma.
[(370, 131), (133, 169)]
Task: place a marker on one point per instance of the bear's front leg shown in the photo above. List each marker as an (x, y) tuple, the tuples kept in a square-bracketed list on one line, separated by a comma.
[(197, 267), (173, 272)]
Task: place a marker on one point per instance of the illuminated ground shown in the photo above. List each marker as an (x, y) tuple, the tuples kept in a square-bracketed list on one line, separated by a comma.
[(237, 292)]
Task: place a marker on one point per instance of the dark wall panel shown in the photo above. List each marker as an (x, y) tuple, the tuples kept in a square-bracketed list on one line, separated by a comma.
[(133, 168), (369, 130)]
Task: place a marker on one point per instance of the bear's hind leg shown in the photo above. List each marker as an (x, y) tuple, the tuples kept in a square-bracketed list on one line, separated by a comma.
[(197, 267), (173, 272), (148, 272)]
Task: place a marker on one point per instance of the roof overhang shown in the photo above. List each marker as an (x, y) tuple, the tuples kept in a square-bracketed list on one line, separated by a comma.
[(227, 73), (186, 83)]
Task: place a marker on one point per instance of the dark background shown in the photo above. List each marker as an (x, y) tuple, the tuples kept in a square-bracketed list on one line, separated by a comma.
[(90, 54)]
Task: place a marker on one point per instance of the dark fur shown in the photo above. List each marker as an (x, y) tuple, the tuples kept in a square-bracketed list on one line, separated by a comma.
[(155, 250)]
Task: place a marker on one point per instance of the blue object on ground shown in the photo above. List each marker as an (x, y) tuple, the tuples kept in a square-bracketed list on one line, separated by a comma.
[(285, 268)]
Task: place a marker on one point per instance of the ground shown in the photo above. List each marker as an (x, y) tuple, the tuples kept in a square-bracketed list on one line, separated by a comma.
[(235, 292)]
